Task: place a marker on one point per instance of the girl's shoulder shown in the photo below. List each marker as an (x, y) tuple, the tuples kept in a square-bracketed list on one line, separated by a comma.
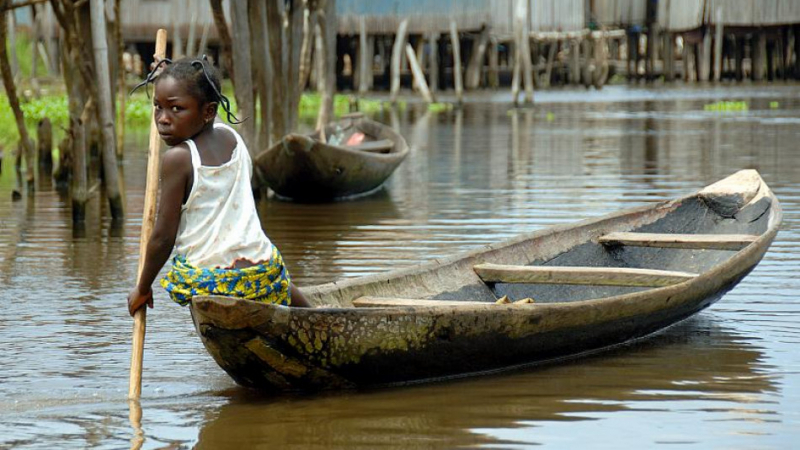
[(177, 157)]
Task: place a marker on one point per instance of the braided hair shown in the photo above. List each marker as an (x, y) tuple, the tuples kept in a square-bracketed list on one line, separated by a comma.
[(202, 81)]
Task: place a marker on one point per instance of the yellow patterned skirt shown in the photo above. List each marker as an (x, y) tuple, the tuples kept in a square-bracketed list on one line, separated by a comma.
[(268, 282)]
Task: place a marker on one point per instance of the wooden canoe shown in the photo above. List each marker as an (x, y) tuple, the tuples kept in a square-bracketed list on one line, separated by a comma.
[(594, 284), (301, 167)]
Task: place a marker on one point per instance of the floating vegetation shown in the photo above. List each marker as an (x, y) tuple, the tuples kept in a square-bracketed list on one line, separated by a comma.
[(727, 106), (774, 105), (549, 116), (438, 107)]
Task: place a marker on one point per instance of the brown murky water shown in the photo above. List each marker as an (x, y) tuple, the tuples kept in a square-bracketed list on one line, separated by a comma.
[(727, 378)]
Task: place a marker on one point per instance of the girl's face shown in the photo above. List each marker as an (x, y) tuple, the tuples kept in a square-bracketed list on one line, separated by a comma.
[(179, 115)]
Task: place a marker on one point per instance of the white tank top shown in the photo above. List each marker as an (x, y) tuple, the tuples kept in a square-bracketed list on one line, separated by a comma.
[(219, 222)]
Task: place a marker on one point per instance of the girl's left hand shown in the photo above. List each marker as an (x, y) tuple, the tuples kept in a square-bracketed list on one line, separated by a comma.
[(137, 299)]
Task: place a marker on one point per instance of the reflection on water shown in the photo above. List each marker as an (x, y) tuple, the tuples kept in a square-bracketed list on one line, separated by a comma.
[(726, 378), (696, 362)]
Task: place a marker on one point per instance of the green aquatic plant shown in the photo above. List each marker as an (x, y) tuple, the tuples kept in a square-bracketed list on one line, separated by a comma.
[(727, 106), (438, 107)]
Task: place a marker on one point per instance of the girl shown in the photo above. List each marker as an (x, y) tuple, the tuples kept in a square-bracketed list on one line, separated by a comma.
[(206, 210)]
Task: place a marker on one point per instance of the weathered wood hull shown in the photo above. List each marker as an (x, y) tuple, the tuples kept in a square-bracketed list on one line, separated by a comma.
[(281, 348), (302, 168)]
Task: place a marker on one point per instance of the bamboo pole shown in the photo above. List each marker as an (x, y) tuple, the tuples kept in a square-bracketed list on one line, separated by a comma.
[(459, 85), (148, 219), (418, 75)]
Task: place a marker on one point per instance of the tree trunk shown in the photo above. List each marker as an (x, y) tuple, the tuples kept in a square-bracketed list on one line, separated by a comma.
[(44, 145), (309, 23), (243, 80), (327, 22), (261, 68), (225, 41), (279, 83), (122, 88), (11, 91), (112, 180), (294, 43)]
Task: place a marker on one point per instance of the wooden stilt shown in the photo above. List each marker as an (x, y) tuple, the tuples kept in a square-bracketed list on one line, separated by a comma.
[(759, 50), (575, 61), (397, 49), (525, 53), (516, 72), (433, 61), (456, 63), (739, 56), (770, 60), (494, 69), (653, 37), (364, 57), (718, 36), (416, 71), (551, 54), (475, 65), (669, 57), (705, 56)]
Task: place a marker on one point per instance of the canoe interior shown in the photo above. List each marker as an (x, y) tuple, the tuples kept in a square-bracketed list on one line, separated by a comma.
[(692, 216), (455, 279)]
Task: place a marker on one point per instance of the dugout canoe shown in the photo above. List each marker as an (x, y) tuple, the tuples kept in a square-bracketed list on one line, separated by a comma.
[(594, 285), (302, 167)]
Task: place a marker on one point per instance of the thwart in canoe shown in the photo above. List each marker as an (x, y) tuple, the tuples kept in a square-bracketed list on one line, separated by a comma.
[(356, 158), (543, 296)]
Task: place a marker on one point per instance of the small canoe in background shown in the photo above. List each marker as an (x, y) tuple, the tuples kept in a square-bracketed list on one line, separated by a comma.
[(562, 292), (358, 156)]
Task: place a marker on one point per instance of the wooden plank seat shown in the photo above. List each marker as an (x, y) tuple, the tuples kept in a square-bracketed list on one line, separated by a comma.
[(685, 241), (379, 146), (597, 276), (372, 302)]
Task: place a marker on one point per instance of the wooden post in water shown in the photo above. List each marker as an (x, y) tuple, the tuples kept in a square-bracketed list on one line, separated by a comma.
[(44, 145), (456, 63), (416, 71), (397, 49), (705, 56), (718, 44), (515, 73), (475, 65), (364, 57), (148, 219), (433, 61), (669, 56), (493, 80), (759, 50), (739, 58), (525, 49)]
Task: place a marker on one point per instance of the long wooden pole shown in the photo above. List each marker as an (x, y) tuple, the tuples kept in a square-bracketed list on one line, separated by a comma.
[(148, 219)]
